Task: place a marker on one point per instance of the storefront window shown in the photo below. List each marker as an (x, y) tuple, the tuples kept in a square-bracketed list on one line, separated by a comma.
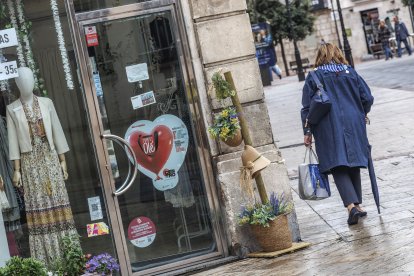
[(45, 208), (90, 5), (51, 148)]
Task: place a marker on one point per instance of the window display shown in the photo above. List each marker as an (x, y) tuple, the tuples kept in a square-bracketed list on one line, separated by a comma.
[(46, 118), (123, 79)]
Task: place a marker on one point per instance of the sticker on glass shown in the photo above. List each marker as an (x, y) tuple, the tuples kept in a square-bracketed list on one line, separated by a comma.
[(91, 36), (160, 147), (137, 72), (141, 232), (143, 100), (97, 229), (95, 208)]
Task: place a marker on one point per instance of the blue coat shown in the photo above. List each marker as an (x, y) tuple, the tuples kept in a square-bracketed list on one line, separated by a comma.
[(401, 31), (341, 136)]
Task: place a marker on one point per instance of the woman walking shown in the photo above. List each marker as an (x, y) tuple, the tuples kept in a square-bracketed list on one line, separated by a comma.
[(340, 136)]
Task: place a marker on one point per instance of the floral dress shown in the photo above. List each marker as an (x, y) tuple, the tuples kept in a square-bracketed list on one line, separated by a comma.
[(48, 211)]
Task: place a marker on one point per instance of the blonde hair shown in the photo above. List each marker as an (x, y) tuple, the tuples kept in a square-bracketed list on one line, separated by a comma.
[(328, 53)]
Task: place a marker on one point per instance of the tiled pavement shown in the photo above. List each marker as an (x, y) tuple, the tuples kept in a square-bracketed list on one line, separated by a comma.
[(379, 244)]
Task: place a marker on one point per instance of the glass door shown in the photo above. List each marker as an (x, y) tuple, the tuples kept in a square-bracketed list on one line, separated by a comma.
[(134, 65)]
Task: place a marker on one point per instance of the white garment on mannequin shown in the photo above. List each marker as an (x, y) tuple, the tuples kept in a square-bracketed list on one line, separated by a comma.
[(4, 250)]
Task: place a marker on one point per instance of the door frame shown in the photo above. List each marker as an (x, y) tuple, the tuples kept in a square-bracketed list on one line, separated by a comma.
[(77, 22)]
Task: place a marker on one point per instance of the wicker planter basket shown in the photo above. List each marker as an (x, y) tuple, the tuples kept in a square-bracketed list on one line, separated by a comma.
[(235, 141), (275, 237)]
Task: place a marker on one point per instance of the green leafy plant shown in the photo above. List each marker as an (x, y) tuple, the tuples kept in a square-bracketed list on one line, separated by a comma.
[(262, 214), (17, 266), (73, 260), (225, 125), (222, 87)]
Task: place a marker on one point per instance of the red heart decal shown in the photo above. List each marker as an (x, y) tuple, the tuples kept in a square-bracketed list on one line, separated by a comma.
[(152, 150)]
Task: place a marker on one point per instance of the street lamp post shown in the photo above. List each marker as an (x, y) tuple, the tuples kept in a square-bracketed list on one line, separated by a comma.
[(347, 47), (299, 68), (336, 26), (410, 9)]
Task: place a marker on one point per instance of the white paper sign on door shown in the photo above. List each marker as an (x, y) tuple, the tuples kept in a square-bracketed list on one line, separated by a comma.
[(137, 72), (8, 38), (8, 70)]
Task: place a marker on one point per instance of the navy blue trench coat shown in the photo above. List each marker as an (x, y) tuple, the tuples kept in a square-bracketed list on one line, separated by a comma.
[(341, 136)]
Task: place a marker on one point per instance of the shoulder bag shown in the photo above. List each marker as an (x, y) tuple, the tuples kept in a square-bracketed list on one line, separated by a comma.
[(320, 104)]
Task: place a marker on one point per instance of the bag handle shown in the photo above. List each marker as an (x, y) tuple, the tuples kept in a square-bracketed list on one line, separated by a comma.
[(312, 153), (316, 80)]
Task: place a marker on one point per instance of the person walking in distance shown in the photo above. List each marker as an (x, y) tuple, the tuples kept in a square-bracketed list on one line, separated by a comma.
[(340, 136), (384, 35), (401, 35)]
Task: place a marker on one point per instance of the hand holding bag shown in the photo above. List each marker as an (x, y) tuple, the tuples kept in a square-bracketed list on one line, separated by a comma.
[(320, 104), (313, 185)]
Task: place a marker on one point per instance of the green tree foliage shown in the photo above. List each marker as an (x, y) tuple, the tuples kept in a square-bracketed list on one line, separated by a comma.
[(275, 13)]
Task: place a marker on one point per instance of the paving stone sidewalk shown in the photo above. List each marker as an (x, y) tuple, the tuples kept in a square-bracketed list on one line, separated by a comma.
[(379, 244)]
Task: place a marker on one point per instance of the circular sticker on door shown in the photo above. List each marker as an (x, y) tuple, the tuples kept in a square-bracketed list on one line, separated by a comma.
[(141, 232)]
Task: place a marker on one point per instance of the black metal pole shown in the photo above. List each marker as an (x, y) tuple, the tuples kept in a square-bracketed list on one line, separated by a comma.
[(336, 27), (347, 47), (284, 56), (410, 8), (301, 74)]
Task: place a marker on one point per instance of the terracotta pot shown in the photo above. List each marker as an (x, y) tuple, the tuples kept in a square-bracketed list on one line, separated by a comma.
[(275, 237), (235, 141)]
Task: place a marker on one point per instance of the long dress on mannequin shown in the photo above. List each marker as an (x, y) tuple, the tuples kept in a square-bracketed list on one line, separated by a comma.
[(48, 211)]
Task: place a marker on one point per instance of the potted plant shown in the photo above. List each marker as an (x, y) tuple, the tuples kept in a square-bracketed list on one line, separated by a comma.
[(226, 127), (268, 222), (72, 262), (103, 264), (17, 266)]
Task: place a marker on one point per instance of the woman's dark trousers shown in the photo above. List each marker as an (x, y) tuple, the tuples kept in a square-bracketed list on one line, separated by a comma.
[(348, 182)]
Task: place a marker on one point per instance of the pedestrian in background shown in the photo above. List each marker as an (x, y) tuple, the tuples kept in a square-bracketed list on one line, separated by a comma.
[(384, 35), (273, 62), (401, 35), (340, 136)]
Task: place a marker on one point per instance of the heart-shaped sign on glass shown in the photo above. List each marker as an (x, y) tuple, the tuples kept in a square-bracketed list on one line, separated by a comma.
[(160, 147)]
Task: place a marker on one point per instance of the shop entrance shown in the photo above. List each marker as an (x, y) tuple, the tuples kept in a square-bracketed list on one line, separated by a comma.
[(139, 93)]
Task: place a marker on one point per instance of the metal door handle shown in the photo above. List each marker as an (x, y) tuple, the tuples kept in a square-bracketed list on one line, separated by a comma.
[(131, 164)]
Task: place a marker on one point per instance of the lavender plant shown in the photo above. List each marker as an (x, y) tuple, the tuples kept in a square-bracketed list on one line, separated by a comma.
[(262, 214)]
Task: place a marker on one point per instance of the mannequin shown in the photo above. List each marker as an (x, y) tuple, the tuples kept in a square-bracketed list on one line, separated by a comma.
[(25, 83), (37, 145)]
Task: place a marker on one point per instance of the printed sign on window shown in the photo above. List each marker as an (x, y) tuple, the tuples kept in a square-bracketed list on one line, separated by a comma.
[(143, 100), (8, 38), (160, 147), (91, 36), (95, 208), (141, 232)]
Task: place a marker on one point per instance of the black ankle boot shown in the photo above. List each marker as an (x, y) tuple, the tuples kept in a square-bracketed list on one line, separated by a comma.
[(354, 215)]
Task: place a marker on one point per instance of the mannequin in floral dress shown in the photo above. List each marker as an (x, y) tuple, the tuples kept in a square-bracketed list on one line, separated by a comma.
[(37, 145)]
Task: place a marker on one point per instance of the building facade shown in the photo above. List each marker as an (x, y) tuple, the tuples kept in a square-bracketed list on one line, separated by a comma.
[(361, 18), (129, 78)]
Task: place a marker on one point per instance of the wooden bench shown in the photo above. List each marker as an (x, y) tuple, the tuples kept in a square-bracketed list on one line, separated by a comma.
[(377, 50), (305, 65)]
